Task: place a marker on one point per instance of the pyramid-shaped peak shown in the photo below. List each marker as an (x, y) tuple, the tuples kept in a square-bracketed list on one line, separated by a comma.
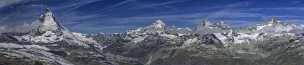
[(159, 24), (48, 22)]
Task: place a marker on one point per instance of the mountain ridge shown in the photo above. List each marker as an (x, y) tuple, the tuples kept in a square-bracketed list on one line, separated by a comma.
[(157, 44)]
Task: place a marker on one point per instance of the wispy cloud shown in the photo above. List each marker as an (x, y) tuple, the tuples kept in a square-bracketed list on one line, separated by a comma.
[(233, 14), (4, 3), (94, 28), (229, 9), (163, 3), (116, 5), (122, 3), (276, 9), (176, 16), (105, 15), (71, 6)]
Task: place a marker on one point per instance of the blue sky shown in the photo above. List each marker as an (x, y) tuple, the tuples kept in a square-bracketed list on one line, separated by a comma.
[(121, 15)]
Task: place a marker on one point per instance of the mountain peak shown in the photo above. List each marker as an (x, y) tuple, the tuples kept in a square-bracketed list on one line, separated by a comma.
[(275, 26), (159, 24), (274, 21), (48, 22), (48, 12), (205, 23), (220, 23)]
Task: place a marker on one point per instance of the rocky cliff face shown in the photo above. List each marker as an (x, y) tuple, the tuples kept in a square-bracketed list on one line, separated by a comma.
[(48, 22)]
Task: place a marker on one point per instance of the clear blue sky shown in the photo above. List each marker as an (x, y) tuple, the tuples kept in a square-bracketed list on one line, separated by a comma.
[(120, 15)]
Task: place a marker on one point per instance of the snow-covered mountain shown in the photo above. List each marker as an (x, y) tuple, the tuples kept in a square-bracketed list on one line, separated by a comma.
[(216, 25), (158, 28), (206, 27), (51, 31), (260, 32), (50, 43), (159, 43), (276, 26), (219, 32), (48, 23)]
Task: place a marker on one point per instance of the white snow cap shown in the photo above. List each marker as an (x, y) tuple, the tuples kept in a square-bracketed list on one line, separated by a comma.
[(48, 22), (159, 24)]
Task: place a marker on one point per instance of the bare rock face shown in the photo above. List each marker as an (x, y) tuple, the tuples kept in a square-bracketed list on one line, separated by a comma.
[(273, 21), (48, 23)]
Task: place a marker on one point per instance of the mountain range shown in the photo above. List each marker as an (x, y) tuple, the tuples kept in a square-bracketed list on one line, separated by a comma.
[(50, 43)]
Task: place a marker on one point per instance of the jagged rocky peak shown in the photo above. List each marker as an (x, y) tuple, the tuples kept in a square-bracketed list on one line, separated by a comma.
[(157, 27), (273, 21), (220, 23), (205, 23), (159, 24), (48, 22), (275, 26)]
